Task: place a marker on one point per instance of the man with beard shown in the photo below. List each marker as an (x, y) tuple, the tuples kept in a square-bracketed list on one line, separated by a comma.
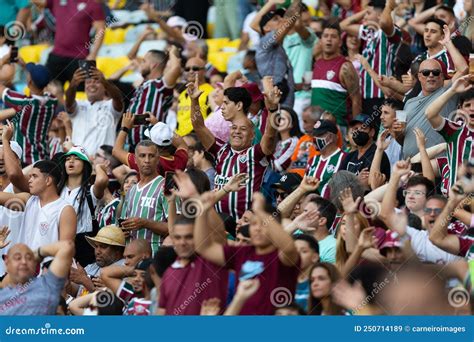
[(155, 94), (93, 120), (108, 249)]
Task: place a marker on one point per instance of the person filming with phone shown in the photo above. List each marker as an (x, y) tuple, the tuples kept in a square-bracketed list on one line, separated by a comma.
[(93, 120)]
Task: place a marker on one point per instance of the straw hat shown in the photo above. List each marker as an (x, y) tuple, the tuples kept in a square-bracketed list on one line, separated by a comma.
[(108, 235)]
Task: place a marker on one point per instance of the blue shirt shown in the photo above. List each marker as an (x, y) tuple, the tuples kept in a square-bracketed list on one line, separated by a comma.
[(302, 294)]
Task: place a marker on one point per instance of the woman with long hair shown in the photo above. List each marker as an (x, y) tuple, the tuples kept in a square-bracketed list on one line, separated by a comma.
[(323, 277), (78, 191), (343, 251), (288, 134)]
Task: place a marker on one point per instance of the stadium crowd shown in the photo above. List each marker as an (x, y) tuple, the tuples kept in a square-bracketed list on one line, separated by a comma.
[(280, 157)]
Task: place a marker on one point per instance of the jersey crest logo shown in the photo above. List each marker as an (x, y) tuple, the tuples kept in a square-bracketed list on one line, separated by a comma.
[(243, 159), (81, 6), (44, 226), (331, 168), (330, 74)]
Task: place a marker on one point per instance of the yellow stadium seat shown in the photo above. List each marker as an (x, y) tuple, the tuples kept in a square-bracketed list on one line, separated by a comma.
[(216, 44), (234, 44), (120, 5), (114, 36), (109, 65), (312, 11), (32, 53), (80, 95), (220, 59)]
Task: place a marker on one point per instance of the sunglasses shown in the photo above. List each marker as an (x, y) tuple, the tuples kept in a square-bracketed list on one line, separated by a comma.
[(427, 72), (436, 211), (281, 194), (193, 68)]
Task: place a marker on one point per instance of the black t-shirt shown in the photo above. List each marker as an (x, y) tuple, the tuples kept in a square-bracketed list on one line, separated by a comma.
[(355, 165)]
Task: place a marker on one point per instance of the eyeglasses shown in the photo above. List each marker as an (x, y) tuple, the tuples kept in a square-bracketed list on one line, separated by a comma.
[(435, 211), (416, 193), (193, 68), (281, 194), (427, 72)]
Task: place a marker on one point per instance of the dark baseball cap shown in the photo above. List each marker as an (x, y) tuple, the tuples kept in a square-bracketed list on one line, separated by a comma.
[(361, 118), (323, 126), (39, 74), (288, 182), (269, 16)]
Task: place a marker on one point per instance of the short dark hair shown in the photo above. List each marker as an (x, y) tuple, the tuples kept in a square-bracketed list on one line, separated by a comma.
[(181, 219), (200, 179), (420, 180), (392, 103), (447, 9), (239, 94), (312, 242), (146, 143), (326, 209), (108, 155), (164, 258), (439, 22), (160, 56), (380, 4), (209, 157), (437, 197), (51, 169), (332, 24), (414, 221), (466, 96)]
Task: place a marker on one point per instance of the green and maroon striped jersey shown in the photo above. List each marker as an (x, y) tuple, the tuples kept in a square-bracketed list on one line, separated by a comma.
[(146, 202), (151, 96), (32, 121), (324, 168), (460, 147), (380, 51), (108, 214), (442, 56)]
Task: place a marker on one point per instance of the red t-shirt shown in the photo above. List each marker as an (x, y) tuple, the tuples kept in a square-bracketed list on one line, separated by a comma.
[(176, 162), (73, 23), (183, 289), (277, 281)]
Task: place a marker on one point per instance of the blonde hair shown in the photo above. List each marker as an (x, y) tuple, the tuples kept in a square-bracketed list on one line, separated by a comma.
[(341, 251)]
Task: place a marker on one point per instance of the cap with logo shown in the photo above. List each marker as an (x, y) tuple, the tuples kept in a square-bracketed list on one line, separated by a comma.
[(324, 126), (288, 182), (391, 240), (79, 152)]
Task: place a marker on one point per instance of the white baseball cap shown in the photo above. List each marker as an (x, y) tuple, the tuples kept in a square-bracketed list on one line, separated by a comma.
[(16, 148), (177, 21), (161, 134)]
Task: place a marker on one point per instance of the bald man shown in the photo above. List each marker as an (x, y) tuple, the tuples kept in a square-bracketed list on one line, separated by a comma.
[(25, 294), (136, 251), (432, 75), (238, 155), (195, 67)]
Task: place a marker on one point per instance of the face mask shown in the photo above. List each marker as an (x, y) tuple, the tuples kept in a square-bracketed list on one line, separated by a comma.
[(320, 143), (90, 312), (360, 138)]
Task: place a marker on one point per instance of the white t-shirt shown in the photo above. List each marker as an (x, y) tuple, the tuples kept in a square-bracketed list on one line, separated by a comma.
[(84, 222), (425, 250), (12, 219), (93, 125), (393, 151), (40, 225), (254, 37)]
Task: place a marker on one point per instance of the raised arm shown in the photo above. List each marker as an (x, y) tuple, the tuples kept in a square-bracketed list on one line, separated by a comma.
[(433, 111), (459, 62), (366, 240), (11, 162), (308, 184), (78, 77), (292, 13), (287, 252), (432, 152), (351, 24), (63, 252), (386, 21), (418, 21), (272, 103), (350, 80), (425, 159), (173, 68), (205, 136), (401, 168), (101, 181), (132, 54), (382, 145), (67, 224), (255, 24), (113, 275), (156, 16), (99, 28), (118, 151)]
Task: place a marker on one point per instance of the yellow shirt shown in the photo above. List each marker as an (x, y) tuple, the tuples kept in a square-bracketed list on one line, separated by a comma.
[(184, 109)]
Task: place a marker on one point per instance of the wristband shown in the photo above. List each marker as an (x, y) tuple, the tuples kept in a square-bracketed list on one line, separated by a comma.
[(125, 129), (225, 190), (274, 110)]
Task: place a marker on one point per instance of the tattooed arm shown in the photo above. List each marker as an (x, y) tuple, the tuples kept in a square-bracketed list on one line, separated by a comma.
[(350, 80)]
